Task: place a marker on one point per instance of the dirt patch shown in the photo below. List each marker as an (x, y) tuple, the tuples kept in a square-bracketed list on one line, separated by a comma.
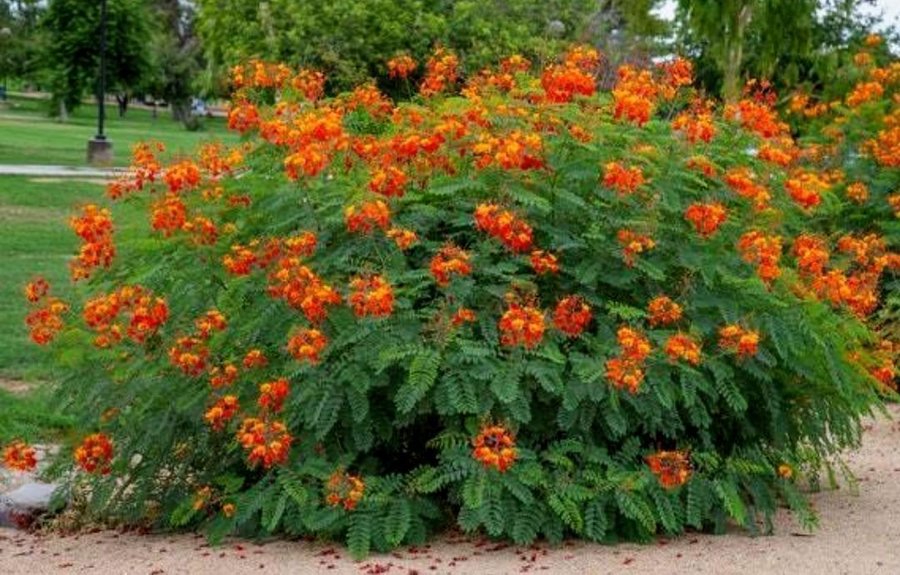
[(16, 386), (98, 181), (23, 214), (857, 535)]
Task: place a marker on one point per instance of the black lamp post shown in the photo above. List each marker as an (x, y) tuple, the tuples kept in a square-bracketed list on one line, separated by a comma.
[(99, 149)]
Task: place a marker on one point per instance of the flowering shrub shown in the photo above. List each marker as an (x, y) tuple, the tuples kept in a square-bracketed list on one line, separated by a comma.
[(532, 309), (850, 134)]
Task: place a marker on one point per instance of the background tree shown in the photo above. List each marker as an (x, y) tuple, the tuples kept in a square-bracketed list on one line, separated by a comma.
[(351, 40), (21, 39), (718, 33), (73, 49), (788, 42), (175, 58)]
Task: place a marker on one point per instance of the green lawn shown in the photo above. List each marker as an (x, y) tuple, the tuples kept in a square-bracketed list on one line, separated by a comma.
[(36, 240), (29, 136), (30, 417)]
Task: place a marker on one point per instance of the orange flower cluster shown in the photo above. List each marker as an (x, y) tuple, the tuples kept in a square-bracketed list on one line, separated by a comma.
[(743, 182), (885, 147), (273, 393), (312, 138), (401, 66), (516, 150), (267, 443), (504, 225), (95, 228), (463, 315), (182, 176), (441, 73), (885, 371), (856, 291), (800, 104), (495, 446), (572, 315), (211, 321), (633, 244), (811, 253), (678, 73), (543, 262), (742, 341), (95, 454), (44, 320), (574, 77), (369, 98), (255, 358), (224, 376), (19, 456), (706, 218), (858, 192), (372, 296), (696, 127), (757, 116), (36, 289), (189, 354), (762, 251), (216, 160), (243, 116), (703, 165), (203, 231), (806, 189), (307, 344), (623, 180), (168, 215), (243, 259), (366, 218), (780, 156), (402, 237), (389, 181), (894, 202), (625, 371), (144, 314), (222, 412), (663, 311), (521, 325), (449, 261), (145, 168), (682, 346), (343, 489), (309, 83), (260, 75), (635, 95), (672, 468), (864, 92), (302, 289)]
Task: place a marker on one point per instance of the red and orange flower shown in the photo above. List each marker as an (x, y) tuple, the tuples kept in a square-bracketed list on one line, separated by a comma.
[(95, 454), (495, 447)]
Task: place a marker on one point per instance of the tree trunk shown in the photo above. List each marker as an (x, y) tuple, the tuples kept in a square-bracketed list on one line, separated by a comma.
[(734, 55), (122, 101), (63, 112), (180, 111)]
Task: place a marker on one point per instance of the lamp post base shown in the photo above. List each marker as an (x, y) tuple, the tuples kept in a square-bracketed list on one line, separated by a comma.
[(99, 152)]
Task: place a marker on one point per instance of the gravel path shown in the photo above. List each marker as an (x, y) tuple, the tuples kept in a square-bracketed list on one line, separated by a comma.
[(59, 171), (858, 535)]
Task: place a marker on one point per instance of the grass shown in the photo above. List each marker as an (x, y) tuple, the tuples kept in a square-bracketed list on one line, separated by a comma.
[(30, 417), (36, 240), (29, 136)]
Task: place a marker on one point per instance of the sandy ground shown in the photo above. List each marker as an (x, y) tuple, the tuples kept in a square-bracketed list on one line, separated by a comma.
[(858, 535)]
